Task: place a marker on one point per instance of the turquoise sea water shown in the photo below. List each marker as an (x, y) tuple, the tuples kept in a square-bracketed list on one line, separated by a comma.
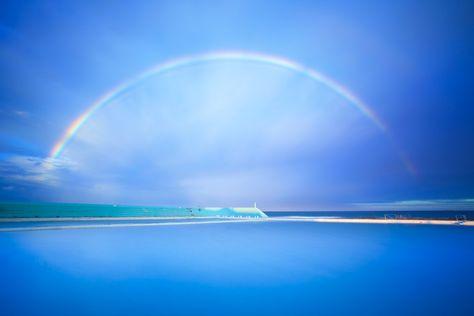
[(262, 268), (50, 210)]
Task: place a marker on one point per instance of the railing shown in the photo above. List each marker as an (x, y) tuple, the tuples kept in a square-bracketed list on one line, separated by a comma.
[(394, 216), (461, 219)]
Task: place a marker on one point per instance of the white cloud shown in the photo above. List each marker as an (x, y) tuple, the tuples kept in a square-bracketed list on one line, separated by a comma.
[(22, 114), (37, 170)]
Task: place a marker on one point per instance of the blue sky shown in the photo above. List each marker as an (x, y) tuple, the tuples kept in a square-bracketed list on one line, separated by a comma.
[(231, 133)]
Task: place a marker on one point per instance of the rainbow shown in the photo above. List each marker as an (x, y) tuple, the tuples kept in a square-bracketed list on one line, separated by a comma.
[(212, 57)]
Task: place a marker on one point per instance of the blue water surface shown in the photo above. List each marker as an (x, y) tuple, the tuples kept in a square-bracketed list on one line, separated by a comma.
[(447, 215), (262, 268)]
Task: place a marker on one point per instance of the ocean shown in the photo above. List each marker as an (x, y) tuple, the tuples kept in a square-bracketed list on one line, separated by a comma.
[(451, 215), (77, 210), (239, 268)]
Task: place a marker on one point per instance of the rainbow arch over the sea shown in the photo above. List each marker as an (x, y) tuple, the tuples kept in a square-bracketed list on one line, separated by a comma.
[(211, 57)]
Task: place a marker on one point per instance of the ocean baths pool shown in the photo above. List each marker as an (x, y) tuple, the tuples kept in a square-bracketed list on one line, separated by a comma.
[(259, 267)]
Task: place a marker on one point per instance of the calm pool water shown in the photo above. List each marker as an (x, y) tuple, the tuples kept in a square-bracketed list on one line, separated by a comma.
[(275, 268)]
